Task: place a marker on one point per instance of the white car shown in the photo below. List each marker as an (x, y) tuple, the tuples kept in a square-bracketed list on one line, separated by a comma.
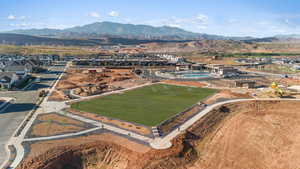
[(37, 80)]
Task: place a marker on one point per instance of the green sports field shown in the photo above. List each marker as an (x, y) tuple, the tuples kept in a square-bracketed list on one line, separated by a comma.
[(149, 105)]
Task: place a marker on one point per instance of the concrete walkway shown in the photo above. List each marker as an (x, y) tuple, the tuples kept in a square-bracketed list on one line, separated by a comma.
[(62, 136)]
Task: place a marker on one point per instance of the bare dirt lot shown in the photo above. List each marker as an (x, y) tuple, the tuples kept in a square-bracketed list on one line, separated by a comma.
[(87, 82), (54, 124)]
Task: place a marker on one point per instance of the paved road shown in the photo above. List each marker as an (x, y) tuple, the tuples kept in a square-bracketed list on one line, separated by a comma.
[(25, 101)]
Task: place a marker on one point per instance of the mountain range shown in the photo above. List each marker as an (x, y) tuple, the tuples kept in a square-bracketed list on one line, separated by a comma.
[(107, 33), (111, 29)]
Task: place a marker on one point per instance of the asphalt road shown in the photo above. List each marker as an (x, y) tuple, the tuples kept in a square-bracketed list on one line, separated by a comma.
[(13, 115)]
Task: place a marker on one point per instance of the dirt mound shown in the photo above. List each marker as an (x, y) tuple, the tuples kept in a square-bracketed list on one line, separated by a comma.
[(58, 96), (66, 85), (87, 82)]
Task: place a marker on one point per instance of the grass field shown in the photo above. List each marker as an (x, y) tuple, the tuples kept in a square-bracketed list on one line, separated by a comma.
[(149, 105)]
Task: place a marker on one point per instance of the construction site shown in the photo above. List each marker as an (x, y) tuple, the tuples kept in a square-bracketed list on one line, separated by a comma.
[(129, 118), (87, 82)]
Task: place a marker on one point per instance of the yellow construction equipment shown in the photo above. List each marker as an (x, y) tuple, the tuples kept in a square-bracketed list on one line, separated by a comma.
[(277, 90)]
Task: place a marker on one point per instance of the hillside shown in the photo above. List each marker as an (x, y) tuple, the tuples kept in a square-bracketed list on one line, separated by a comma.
[(19, 39)]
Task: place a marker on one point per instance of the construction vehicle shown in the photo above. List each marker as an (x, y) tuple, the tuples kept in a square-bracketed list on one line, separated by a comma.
[(277, 90)]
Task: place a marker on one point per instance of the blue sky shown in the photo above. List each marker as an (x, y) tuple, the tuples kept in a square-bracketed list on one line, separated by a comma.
[(224, 17)]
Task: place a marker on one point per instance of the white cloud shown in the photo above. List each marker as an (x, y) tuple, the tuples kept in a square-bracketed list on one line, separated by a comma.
[(114, 14), (94, 14), (23, 24), (202, 18), (11, 17), (14, 17)]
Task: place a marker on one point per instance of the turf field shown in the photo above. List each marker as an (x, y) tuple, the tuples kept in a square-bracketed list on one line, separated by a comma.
[(148, 105)]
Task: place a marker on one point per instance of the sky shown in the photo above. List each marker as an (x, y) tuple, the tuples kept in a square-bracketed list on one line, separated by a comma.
[(258, 18)]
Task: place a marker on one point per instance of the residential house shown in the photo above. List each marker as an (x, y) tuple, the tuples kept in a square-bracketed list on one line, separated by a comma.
[(8, 79)]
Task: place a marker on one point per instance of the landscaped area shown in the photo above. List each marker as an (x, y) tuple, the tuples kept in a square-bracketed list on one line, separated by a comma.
[(149, 105)]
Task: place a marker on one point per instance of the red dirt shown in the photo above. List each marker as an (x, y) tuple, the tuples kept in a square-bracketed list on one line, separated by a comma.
[(53, 124), (50, 129), (87, 82), (263, 135), (80, 77), (58, 96), (226, 94), (92, 152)]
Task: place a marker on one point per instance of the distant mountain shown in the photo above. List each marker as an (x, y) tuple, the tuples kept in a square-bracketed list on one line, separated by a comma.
[(129, 31), (276, 38), (266, 39), (288, 37)]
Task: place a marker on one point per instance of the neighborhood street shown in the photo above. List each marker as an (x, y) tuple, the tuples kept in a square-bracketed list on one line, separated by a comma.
[(14, 113)]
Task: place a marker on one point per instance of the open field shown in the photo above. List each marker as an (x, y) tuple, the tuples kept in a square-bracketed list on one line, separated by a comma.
[(148, 105)]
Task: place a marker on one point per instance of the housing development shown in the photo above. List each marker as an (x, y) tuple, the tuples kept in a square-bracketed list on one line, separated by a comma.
[(110, 95)]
